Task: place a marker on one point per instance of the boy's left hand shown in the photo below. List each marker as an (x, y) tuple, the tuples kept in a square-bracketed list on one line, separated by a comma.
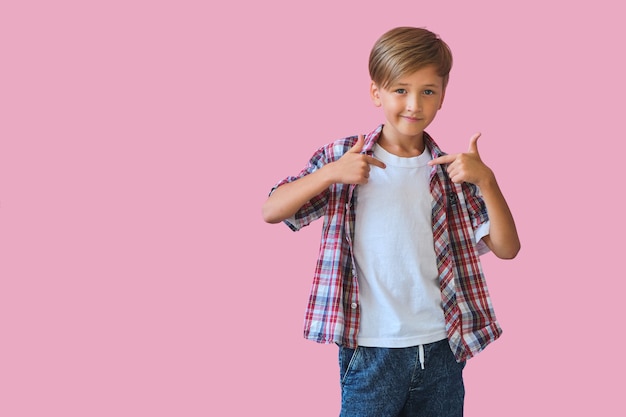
[(466, 167)]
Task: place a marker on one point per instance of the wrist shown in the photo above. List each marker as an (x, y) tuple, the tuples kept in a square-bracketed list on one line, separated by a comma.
[(487, 181), (327, 175)]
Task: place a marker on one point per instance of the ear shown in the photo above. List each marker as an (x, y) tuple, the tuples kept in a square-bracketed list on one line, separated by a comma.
[(375, 94)]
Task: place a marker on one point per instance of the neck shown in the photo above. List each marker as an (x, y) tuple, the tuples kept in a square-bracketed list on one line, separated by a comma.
[(405, 147)]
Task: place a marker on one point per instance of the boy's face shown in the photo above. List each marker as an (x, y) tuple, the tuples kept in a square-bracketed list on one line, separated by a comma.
[(410, 104)]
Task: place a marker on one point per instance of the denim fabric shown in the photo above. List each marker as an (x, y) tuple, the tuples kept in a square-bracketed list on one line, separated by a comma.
[(390, 382)]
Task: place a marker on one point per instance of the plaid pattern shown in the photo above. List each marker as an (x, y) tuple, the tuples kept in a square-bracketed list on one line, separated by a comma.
[(332, 315)]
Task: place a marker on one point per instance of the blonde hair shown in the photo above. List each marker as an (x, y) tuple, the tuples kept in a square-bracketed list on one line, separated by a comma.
[(404, 50)]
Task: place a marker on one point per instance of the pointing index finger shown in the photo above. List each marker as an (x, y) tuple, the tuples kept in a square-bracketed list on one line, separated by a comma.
[(446, 159), (373, 161)]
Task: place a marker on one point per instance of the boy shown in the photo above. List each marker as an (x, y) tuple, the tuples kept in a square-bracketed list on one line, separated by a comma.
[(398, 284)]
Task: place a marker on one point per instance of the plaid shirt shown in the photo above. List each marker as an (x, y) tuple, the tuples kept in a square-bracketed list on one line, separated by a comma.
[(332, 315)]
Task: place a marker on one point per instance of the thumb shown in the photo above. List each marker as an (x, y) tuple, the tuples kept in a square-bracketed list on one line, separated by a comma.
[(358, 146), (473, 146)]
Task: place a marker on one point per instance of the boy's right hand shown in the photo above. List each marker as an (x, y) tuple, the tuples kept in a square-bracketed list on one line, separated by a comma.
[(354, 167)]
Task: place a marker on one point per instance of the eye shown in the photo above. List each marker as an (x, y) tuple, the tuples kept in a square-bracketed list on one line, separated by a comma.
[(429, 92), (400, 91)]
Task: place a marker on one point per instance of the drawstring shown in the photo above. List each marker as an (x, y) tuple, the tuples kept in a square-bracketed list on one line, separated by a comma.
[(420, 350)]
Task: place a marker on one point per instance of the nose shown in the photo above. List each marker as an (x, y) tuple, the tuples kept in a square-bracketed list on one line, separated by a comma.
[(414, 103)]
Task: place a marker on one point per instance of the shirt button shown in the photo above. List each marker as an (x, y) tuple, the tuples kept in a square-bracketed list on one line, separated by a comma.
[(353, 305)]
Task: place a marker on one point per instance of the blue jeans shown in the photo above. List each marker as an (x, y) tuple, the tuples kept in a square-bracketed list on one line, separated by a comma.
[(417, 381)]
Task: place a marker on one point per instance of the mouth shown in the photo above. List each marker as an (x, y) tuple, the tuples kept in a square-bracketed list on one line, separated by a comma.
[(411, 119)]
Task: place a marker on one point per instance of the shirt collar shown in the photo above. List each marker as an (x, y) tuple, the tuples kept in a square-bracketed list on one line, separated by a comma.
[(371, 139)]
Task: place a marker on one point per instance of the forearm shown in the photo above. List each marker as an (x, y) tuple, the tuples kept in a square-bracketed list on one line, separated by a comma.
[(352, 168), (503, 239), (287, 199)]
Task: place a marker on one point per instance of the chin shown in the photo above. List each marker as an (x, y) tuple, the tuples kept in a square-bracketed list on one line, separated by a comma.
[(411, 132)]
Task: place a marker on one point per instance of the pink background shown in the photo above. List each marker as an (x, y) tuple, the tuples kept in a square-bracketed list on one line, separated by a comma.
[(139, 139)]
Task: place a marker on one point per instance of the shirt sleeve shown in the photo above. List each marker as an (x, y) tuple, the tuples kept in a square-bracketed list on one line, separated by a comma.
[(479, 216), (479, 233), (314, 208)]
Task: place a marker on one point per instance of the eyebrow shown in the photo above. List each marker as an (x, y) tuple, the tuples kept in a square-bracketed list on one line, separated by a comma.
[(425, 85)]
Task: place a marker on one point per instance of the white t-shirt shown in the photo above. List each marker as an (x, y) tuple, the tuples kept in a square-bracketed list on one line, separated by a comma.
[(395, 257)]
